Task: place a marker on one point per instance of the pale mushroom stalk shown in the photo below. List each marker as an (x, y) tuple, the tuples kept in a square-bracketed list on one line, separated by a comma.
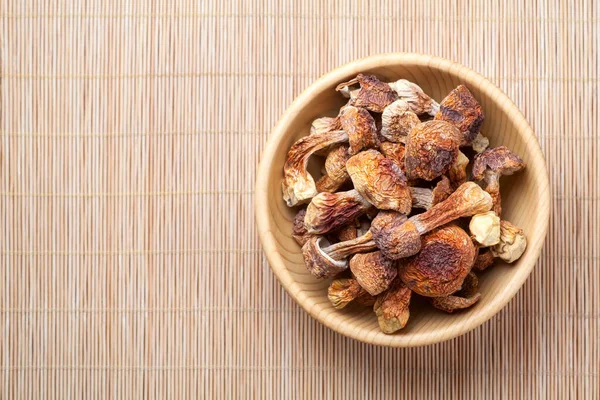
[(485, 229), (341, 250), (298, 185), (480, 143), (398, 238), (426, 198), (458, 171), (513, 243)]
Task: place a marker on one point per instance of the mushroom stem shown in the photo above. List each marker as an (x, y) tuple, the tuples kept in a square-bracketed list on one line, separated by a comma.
[(298, 185), (421, 197), (467, 200), (341, 250)]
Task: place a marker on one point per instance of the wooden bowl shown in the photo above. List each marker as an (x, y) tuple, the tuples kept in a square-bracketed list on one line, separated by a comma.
[(525, 200)]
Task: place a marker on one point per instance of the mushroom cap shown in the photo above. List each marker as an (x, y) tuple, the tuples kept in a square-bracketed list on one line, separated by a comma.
[(484, 260), (395, 152), (485, 228), (497, 160), (431, 148), (418, 101), (470, 286), (442, 190), (392, 307), (360, 127), (318, 263), (380, 181), (446, 257), (451, 304), (347, 232), (373, 95), (299, 232), (397, 121), (343, 291), (373, 271), (513, 242), (395, 236), (461, 109), (329, 211)]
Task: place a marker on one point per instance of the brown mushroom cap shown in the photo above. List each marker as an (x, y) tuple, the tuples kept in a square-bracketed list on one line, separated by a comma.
[(373, 271), (496, 161), (373, 94), (446, 257), (391, 307), (360, 127), (380, 181), (451, 304), (335, 170), (343, 291), (397, 121), (299, 232), (318, 263), (329, 211), (431, 148), (347, 232), (461, 109), (469, 287), (395, 236), (298, 185)]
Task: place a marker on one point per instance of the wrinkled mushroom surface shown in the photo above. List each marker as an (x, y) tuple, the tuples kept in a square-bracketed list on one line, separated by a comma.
[(513, 243), (335, 170), (485, 228), (299, 232), (343, 291), (329, 211), (373, 271), (397, 121), (461, 109), (318, 263), (392, 307), (418, 101), (360, 127), (439, 269)]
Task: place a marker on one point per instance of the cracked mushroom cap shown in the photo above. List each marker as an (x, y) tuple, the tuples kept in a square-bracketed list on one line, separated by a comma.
[(461, 109), (298, 185), (380, 181), (397, 121), (497, 161), (446, 257), (329, 211), (513, 243), (419, 102), (373, 94), (318, 263), (392, 307), (431, 149), (373, 271), (360, 127)]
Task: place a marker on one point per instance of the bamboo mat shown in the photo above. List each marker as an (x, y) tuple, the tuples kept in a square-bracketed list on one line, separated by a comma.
[(130, 134)]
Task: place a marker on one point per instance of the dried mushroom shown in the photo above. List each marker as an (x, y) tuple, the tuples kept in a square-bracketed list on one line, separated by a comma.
[(439, 269), (485, 228), (431, 149), (360, 127), (397, 121), (362, 226), (298, 185), (419, 102), (391, 307), (380, 181), (484, 260), (460, 108), (299, 232), (335, 170), (395, 152), (466, 297), (513, 243), (329, 211), (372, 94), (373, 271), (343, 291), (491, 165)]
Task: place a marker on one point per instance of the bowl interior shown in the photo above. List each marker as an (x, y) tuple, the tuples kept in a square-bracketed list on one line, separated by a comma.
[(525, 199)]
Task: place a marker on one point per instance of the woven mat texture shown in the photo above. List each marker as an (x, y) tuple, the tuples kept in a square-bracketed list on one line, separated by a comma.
[(130, 134)]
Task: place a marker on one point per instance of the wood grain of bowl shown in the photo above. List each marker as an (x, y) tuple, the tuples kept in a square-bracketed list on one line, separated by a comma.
[(525, 200)]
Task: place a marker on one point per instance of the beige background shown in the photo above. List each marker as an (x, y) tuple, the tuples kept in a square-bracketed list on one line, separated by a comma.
[(130, 133)]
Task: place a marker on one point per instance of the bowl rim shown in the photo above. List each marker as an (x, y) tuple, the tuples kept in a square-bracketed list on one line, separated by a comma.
[(343, 325)]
